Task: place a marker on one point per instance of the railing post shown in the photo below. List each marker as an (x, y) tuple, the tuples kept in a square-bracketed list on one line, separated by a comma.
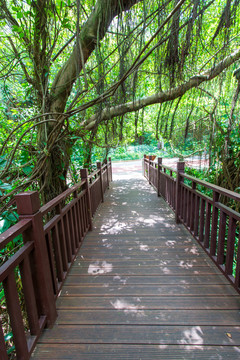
[(180, 168), (159, 175), (107, 175), (150, 159), (192, 218), (110, 162), (84, 177), (99, 167), (144, 165), (28, 205)]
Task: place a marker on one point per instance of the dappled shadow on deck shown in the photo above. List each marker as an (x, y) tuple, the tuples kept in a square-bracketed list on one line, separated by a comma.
[(142, 288)]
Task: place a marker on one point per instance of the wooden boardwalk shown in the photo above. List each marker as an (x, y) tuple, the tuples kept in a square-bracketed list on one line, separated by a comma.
[(141, 288)]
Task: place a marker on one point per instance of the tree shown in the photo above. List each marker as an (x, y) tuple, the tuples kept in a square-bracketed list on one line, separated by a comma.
[(68, 57)]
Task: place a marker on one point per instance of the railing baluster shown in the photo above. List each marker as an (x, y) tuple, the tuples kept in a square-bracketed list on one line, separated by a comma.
[(78, 217), (57, 253), (144, 165), (70, 250), (202, 220), (182, 200), (237, 277), (192, 209), (85, 209), (230, 245), (189, 202), (15, 314), (196, 215), (221, 238), (149, 169), (180, 168), (83, 215), (213, 244), (75, 217), (99, 166), (107, 177), (207, 225), (110, 167), (82, 211), (84, 176), (185, 206), (72, 230), (52, 261), (29, 296), (3, 353), (62, 241)]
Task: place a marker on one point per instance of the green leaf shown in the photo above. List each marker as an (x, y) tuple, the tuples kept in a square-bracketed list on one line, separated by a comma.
[(19, 15), (5, 186), (17, 28), (11, 350), (8, 336), (1, 294), (27, 170), (61, 177)]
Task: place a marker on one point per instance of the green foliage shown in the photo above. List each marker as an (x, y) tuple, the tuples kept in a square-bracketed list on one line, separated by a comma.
[(186, 123), (133, 152), (37, 43)]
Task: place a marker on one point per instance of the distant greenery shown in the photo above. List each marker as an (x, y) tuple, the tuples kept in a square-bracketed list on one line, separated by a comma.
[(148, 144), (134, 152)]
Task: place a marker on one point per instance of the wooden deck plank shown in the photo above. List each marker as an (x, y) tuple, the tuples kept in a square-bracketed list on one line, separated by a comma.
[(135, 352), (211, 279), (135, 314), (145, 269), (141, 288), (145, 255), (127, 334), (151, 290), (151, 303)]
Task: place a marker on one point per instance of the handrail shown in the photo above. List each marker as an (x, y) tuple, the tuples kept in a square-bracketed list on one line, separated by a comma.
[(58, 199), (213, 224), (154, 164), (231, 194), (15, 230), (49, 247)]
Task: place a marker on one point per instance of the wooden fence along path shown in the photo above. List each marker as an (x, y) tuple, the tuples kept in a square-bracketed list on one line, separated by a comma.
[(142, 285), (42, 263)]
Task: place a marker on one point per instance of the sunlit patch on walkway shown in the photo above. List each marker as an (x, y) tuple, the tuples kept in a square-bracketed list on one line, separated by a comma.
[(100, 268)]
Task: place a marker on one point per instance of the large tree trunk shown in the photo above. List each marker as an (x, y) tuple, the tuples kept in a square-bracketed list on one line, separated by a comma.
[(53, 180), (95, 28)]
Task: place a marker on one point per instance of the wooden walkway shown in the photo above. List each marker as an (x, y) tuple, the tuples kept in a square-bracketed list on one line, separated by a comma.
[(141, 288)]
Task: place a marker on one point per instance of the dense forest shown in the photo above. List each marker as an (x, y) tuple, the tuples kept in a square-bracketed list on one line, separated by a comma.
[(82, 80), (79, 78)]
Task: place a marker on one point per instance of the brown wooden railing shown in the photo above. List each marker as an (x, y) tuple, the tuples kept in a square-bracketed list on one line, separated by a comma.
[(46, 255), (214, 224), (162, 178)]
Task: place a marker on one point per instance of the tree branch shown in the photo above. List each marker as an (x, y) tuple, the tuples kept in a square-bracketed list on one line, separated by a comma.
[(95, 27), (28, 78), (162, 97)]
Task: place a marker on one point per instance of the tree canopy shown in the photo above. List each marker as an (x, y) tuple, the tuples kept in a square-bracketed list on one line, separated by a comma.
[(75, 75)]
